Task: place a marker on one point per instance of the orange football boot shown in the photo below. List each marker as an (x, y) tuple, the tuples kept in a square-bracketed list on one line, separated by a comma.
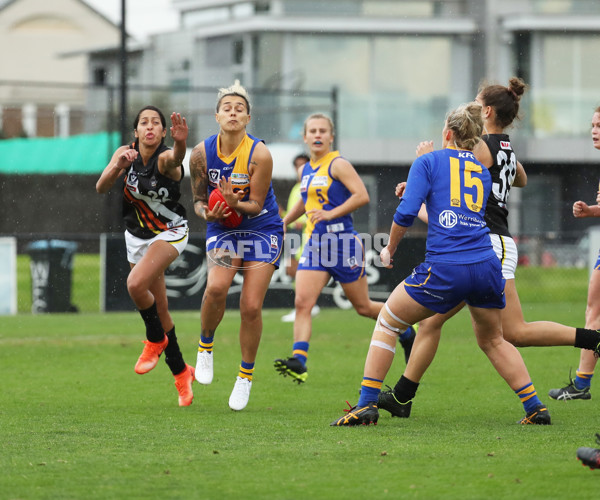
[(150, 355), (183, 383)]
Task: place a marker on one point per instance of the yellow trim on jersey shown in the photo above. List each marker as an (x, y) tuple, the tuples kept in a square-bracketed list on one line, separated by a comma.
[(240, 175), (321, 169), (314, 200)]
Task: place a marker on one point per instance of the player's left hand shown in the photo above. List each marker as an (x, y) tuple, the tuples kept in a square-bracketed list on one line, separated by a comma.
[(316, 215)]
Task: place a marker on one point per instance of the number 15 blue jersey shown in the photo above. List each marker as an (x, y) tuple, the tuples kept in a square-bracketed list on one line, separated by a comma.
[(454, 187)]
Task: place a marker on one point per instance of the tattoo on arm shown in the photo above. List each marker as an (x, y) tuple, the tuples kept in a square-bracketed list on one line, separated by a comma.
[(198, 175)]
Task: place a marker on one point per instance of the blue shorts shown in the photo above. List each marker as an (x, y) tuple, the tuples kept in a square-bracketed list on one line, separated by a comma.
[(265, 245), (341, 255), (597, 266), (441, 287)]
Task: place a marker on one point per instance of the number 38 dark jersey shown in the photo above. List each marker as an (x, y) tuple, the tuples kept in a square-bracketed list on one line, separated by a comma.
[(503, 170), (150, 199)]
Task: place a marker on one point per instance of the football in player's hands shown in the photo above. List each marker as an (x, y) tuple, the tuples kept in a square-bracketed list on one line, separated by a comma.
[(235, 218)]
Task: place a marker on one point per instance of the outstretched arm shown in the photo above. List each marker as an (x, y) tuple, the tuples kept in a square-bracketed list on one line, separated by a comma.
[(118, 164), (169, 162)]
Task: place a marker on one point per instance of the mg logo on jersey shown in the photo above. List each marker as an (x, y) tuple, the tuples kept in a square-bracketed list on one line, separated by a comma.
[(448, 219), (505, 144)]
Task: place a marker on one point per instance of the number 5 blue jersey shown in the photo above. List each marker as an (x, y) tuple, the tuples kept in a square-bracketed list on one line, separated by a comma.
[(454, 187), (320, 191)]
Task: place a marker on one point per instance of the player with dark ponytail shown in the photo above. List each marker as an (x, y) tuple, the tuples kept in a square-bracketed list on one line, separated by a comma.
[(156, 232)]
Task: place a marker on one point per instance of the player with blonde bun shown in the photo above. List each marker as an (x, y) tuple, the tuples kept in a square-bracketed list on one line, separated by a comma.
[(460, 266), (500, 108)]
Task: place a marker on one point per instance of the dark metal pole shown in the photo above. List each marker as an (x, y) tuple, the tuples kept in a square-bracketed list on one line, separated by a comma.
[(334, 115), (123, 57)]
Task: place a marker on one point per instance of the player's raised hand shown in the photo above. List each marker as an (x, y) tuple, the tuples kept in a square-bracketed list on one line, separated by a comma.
[(400, 188), (179, 128), (424, 147)]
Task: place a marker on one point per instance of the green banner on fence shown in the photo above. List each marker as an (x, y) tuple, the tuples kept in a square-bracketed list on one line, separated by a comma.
[(79, 154)]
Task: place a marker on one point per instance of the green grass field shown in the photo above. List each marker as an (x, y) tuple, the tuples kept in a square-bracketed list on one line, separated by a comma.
[(77, 422)]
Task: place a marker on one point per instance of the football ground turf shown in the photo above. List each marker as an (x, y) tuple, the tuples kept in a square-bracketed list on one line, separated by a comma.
[(76, 422)]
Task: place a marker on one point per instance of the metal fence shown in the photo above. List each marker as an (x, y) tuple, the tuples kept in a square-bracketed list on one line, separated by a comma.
[(61, 109)]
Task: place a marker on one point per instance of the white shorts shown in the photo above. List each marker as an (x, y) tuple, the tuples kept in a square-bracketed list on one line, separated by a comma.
[(137, 247), (506, 250)]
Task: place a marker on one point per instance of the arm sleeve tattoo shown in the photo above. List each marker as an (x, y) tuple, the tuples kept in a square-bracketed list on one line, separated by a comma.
[(198, 175)]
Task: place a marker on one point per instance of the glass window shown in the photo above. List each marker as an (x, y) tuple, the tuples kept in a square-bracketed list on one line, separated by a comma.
[(218, 51), (327, 58), (390, 87), (394, 8), (377, 8), (564, 83), (567, 6), (204, 16)]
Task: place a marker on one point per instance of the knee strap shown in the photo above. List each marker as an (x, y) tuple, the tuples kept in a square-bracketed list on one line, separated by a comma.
[(387, 330), (390, 324)]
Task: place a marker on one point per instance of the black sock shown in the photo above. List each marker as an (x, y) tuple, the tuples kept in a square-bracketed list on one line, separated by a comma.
[(586, 339), (405, 389), (154, 329), (173, 356)]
